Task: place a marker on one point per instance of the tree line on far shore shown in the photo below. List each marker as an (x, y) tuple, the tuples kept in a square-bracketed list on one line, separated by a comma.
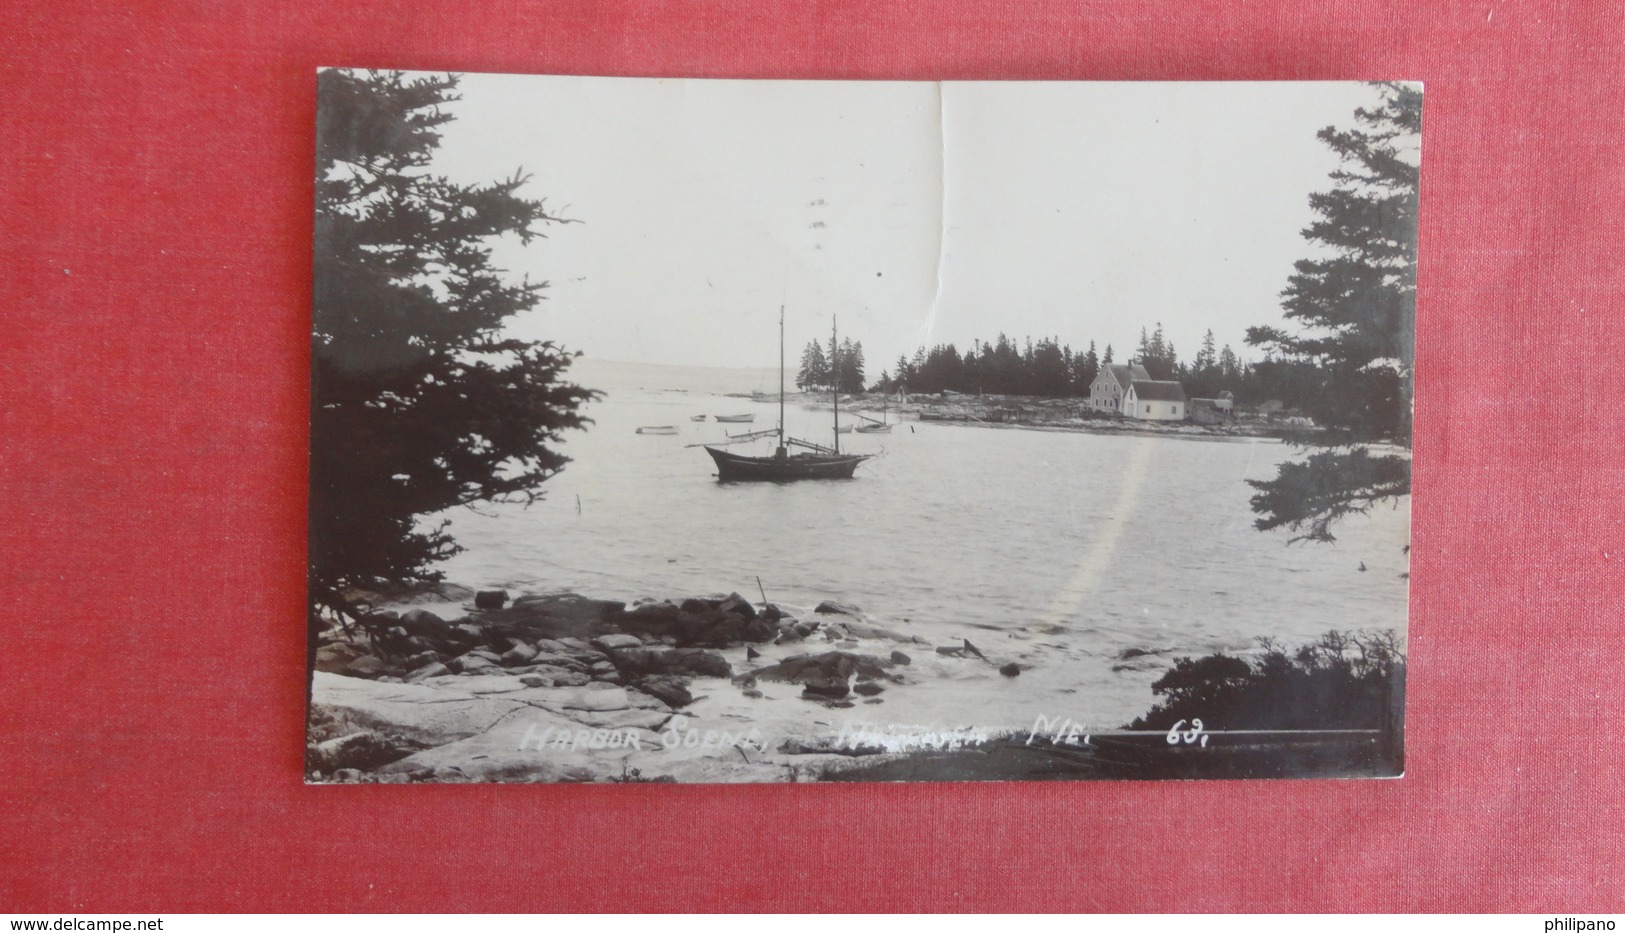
[(1051, 369), (1047, 368)]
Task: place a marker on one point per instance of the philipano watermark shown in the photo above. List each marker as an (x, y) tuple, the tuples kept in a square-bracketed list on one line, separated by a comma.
[(1567, 924)]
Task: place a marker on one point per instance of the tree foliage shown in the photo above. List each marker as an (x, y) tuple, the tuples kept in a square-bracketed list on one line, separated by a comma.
[(1341, 681), (821, 371), (420, 401), (1355, 304), (814, 371)]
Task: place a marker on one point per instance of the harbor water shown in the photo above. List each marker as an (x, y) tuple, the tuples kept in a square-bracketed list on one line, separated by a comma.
[(1068, 552)]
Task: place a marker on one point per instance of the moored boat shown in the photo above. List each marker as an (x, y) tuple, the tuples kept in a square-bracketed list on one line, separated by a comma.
[(746, 418), (784, 466), (658, 429), (871, 426), (819, 462)]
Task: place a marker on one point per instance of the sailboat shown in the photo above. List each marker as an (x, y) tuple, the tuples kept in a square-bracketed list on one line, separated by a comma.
[(819, 462), (871, 426)]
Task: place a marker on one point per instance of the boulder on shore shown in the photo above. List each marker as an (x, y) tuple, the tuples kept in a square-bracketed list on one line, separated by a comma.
[(738, 605), (365, 666), (364, 750), (833, 688), (490, 599), (831, 607), (424, 624), (672, 691)]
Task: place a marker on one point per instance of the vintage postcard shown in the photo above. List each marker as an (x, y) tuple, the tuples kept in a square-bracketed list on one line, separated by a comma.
[(740, 431)]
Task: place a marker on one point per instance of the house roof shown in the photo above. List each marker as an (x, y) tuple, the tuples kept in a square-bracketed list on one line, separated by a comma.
[(1152, 390), (1126, 373)]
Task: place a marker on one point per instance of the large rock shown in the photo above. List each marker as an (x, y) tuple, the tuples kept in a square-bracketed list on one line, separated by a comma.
[(429, 670), (830, 687), (738, 605), (471, 663), (838, 665), (634, 663), (433, 715), (760, 630), (672, 691), (365, 666), (609, 642), (466, 633), (517, 655), (830, 606), (654, 619), (565, 612), (490, 599), (364, 750), (536, 745), (425, 624)]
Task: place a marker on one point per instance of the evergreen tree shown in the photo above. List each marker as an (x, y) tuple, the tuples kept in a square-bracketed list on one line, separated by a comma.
[(1205, 357), (1106, 358), (1087, 369), (1048, 375), (1357, 303), (852, 368), (814, 371), (1157, 350), (419, 402)]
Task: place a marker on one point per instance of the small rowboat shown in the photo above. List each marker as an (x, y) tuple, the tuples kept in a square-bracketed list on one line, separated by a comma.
[(658, 429), (736, 419)]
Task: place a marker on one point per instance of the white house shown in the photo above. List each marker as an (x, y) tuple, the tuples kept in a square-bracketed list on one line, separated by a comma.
[(1112, 384), (1154, 400)]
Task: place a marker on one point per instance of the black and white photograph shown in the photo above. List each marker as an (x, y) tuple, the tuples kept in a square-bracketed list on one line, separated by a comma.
[(723, 431)]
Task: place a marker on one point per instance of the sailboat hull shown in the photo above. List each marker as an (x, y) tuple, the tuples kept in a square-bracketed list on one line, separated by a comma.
[(735, 468)]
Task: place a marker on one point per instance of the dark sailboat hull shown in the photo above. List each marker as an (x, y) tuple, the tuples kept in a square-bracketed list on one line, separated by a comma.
[(735, 468)]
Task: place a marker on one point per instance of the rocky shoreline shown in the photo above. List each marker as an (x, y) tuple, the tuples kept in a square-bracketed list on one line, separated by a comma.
[(451, 685), (560, 687)]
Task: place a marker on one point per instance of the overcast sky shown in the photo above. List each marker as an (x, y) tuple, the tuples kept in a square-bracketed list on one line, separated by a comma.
[(919, 213)]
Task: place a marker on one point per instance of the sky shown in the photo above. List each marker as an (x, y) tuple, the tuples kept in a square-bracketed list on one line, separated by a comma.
[(916, 213)]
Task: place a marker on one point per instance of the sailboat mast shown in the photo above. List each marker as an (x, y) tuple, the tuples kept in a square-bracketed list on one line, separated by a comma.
[(781, 376), (835, 381)]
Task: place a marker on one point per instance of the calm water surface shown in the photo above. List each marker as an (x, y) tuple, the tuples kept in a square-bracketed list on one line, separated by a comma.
[(1059, 549)]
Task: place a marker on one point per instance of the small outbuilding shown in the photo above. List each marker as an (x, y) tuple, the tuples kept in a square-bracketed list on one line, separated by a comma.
[(1155, 400)]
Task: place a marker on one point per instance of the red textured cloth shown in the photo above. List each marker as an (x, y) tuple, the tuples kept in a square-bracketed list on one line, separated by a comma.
[(155, 202)]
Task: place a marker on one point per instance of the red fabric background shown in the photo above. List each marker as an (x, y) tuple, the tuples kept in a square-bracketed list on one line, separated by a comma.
[(155, 197)]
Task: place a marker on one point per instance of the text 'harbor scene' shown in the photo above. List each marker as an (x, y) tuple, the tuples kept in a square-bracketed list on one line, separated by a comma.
[(754, 431)]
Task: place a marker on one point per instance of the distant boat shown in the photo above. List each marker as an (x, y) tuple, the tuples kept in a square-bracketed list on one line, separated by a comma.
[(871, 426), (698, 418), (782, 467), (733, 419), (658, 429)]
